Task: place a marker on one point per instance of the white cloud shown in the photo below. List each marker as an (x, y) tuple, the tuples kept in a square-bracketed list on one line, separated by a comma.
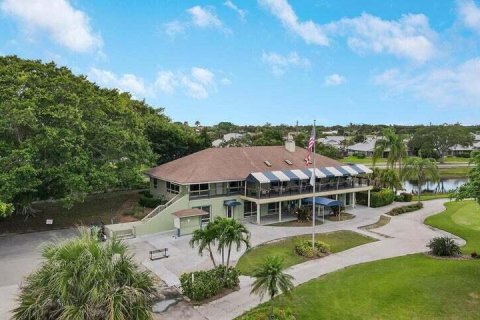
[(204, 17), (334, 80), (66, 25), (202, 75), (410, 36), (200, 17), (198, 83), (309, 31), (450, 86), (280, 63), (469, 13), (241, 13), (174, 27), (126, 82), (225, 81), (166, 81)]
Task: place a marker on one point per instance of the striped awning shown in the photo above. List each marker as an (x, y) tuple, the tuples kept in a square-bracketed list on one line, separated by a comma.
[(305, 174)]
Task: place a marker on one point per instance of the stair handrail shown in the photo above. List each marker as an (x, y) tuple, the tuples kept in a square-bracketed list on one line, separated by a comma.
[(161, 207)]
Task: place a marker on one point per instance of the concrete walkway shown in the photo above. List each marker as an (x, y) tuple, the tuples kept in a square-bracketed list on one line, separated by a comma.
[(408, 235)]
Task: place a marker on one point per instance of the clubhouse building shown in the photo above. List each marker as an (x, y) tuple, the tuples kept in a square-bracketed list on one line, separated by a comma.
[(258, 184)]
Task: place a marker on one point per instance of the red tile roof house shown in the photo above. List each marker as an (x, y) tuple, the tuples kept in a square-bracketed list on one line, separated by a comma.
[(248, 183)]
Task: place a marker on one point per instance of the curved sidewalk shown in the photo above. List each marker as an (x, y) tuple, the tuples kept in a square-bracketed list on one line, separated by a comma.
[(409, 235)]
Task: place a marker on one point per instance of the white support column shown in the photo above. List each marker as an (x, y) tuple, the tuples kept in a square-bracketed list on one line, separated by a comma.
[(336, 197), (353, 199), (368, 199), (280, 211), (299, 203), (258, 213)]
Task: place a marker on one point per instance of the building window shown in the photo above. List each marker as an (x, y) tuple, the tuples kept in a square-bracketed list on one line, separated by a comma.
[(199, 189), (206, 217), (173, 188), (155, 183), (273, 207), (235, 186), (250, 208)]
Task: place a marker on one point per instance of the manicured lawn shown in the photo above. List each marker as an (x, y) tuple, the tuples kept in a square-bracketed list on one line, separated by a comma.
[(99, 207), (456, 159), (338, 241), (426, 197), (410, 287), (461, 218), (367, 161), (457, 172)]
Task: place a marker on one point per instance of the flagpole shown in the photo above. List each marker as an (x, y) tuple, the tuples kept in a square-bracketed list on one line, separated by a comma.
[(314, 184)]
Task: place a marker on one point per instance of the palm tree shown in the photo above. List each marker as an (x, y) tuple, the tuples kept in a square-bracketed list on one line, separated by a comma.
[(204, 238), (82, 278), (270, 279), (420, 169), (393, 143), (232, 232), (390, 179)]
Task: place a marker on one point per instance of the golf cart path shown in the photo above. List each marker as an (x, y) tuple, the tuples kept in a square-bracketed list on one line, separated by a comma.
[(409, 235)]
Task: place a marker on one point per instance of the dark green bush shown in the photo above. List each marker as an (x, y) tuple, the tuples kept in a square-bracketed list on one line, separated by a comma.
[(304, 248), (443, 247), (147, 200), (146, 193), (263, 313), (208, 283), (378, 197), (405, 209), (404, 197), (359, 155)]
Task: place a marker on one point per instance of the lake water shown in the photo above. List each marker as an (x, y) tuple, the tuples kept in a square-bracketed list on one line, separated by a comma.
[(443, 186)]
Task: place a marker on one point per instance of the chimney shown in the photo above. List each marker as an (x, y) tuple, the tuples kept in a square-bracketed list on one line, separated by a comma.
[(290, 143)]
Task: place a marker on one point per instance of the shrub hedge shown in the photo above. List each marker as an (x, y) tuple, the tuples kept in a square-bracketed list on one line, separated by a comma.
[(206, 284), (378, 197), (404, 197), (405, 209), (147, 200), (304, 248)]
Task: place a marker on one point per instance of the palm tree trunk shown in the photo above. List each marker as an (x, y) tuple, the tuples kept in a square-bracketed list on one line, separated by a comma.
[(228, 256), (223, 256), (211, 256), (419, 189), (271, 307)]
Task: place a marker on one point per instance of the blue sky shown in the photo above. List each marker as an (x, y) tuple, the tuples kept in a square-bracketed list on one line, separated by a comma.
[(276, 61)]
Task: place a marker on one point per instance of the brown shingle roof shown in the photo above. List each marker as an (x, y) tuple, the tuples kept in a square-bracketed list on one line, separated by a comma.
[(195, 212), (227, 164)]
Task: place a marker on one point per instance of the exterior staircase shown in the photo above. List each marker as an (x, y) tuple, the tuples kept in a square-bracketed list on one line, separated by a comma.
[(127, 230)]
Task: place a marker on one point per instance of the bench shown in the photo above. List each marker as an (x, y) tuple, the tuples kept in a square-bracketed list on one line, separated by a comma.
[(155, 254)]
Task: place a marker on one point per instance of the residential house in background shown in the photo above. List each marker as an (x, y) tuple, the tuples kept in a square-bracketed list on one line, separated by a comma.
[(226, 138), (459, 150), (334, 141), (367, 147), (259, 184)]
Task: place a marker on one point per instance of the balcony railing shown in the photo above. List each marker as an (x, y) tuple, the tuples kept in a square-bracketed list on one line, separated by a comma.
[(198, 194), (282, 191)]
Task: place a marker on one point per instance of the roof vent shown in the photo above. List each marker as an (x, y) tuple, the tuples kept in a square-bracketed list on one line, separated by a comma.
[(288, 162), (267, 163)]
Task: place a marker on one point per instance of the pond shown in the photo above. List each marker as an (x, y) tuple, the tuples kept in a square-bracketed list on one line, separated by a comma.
[(443, 186)]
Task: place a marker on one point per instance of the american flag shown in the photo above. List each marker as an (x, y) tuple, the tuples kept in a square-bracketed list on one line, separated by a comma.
[(310, 146)]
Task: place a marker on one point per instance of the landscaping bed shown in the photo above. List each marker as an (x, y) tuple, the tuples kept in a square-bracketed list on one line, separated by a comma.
[(404, 209), (295, 223), (342, 217), (118, 206), (285, 249)]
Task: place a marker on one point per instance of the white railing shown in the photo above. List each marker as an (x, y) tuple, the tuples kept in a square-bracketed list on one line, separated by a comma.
[(161, 207)]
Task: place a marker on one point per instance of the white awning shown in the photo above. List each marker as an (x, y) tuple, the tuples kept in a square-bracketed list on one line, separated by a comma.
[(334, 171)]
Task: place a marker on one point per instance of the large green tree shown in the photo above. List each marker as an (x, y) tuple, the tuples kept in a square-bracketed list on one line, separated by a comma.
[(472, 188), (435, 141), (62, 136), (83, 278)]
